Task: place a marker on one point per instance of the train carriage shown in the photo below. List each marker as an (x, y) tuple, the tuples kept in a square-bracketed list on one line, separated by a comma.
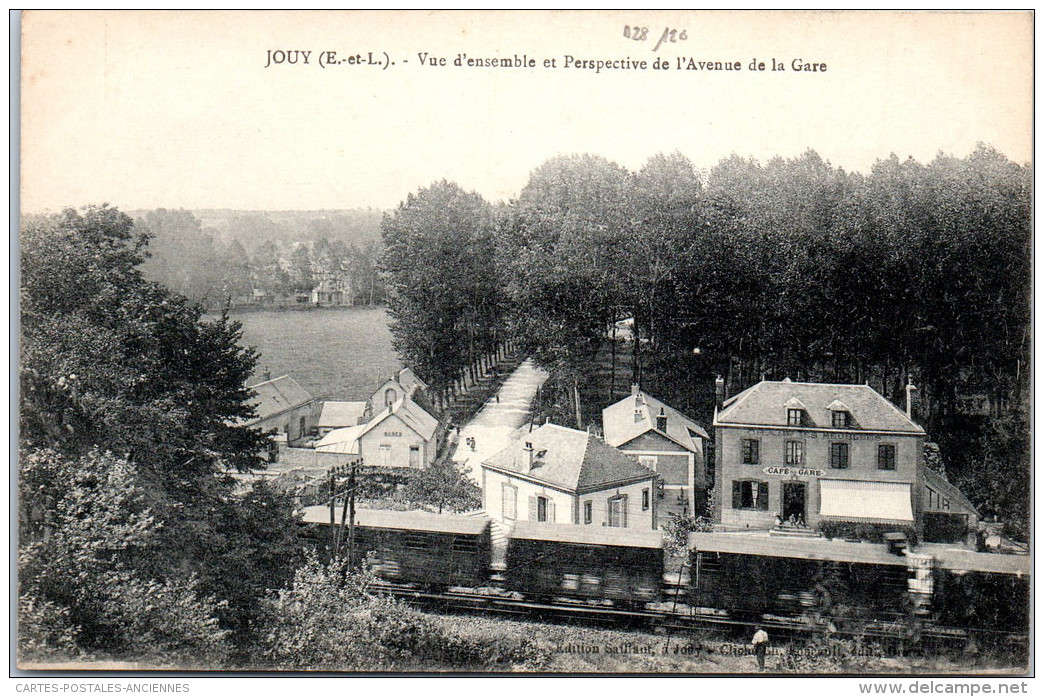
[(568, 561), (417, 547), (811, 579), (988, 593)]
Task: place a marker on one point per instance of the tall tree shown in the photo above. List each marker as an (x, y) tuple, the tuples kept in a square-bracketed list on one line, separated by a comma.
[(437, 269)]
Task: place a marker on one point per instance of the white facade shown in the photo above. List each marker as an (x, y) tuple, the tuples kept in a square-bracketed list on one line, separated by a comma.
[(508, 499)]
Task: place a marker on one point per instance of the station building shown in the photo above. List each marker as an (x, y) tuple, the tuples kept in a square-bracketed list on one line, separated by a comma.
[(667, 442), (560, 475), (283, 406), (818, 453)]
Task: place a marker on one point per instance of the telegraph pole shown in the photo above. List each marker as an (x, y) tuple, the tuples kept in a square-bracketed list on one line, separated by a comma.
[(333, 527)]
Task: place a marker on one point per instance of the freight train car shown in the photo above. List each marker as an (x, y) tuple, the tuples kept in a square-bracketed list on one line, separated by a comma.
[(415, 547), (818, 581), (568, 561), (985, 593)]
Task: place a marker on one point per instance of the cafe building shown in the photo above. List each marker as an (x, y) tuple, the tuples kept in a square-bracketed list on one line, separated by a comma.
[(813, 453)]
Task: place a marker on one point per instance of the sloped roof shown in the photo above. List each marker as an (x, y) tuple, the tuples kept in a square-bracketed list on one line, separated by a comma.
[(278, 395), (572, 460), (341, 414), (587, 534), (940, 484), (620, 426), (407, 378), (341, 440), (403, 520), (411, 414), (765, 404)]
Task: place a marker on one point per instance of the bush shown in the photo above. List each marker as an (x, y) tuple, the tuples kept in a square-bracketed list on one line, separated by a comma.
[(871, 532)]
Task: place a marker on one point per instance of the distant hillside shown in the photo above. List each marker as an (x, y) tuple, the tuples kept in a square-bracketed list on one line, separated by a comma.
[(357, 226)]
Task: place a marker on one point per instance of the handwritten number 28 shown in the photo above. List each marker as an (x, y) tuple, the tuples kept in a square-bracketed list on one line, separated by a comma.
[(636, 33)]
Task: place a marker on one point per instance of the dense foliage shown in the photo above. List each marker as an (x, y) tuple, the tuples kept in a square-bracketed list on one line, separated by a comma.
[(444, 295), (128, 536), (791, 268)]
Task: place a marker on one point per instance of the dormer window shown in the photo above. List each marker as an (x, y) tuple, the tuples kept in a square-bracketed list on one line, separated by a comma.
[(793, 417), (661, 421), (840, 415)]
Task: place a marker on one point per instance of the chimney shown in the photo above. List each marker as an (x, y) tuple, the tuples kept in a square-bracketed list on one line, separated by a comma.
[(661, 421), (719, 392), (910, 389), (638, 416), (635, 389), (529, 452)]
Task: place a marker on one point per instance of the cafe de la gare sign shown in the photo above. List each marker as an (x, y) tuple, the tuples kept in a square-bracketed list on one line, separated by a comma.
[(793, 471)]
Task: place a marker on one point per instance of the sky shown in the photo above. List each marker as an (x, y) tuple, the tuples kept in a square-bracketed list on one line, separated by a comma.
[(177, 109)]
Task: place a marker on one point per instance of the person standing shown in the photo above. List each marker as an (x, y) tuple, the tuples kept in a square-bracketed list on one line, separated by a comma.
[(760, 642)]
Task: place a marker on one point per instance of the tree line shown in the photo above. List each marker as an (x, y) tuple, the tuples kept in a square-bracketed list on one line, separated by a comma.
[(252, 259), (790, 268)]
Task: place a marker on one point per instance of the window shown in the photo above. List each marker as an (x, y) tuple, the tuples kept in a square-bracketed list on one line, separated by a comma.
[(839, 419), (886, 457), (794, 454), (645, 499), (541, 509), (793, 417), (839, 456), (751, 451), (618, 512), (648, 461), (385, 455), (588, 510), (389, 396), (751, 495), (509, 498)]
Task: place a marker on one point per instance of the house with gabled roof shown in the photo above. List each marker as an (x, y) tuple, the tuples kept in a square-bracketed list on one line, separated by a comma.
[(560, 475), (822, 454), (396, 387), (403, 434), (665, 441), (283, 406)]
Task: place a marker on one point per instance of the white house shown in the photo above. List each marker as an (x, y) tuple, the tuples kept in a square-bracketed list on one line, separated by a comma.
[(667, 442), (560, 475), (402, 435)]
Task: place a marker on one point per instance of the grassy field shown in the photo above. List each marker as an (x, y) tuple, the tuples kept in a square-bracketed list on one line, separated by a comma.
[(335, 353)]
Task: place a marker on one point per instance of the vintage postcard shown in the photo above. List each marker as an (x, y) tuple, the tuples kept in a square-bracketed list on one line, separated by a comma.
[(557, 342)]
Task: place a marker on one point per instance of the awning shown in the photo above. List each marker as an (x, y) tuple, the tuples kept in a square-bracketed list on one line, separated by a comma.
[(846, 498)]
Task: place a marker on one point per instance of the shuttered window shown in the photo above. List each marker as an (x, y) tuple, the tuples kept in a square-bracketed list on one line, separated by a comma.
[(750, 494), (618, 512), (886, 457), (509, 498), (588, 512), (751, 451), (839, 455), (795, 452)]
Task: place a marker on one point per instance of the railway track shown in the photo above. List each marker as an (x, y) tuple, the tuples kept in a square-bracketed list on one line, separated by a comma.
[(682, 619)]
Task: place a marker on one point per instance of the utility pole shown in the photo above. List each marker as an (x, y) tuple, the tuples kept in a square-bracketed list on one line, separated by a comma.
[(333, 527)]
